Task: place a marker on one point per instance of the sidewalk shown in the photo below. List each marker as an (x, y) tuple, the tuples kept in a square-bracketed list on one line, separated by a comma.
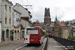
[(54, 45), (9, 42)]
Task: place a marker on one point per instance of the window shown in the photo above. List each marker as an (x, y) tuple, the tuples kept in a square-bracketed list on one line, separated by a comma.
[(5, 8), (9, 21), (5, 20), (32, 31), (42, 33), (9, 10)]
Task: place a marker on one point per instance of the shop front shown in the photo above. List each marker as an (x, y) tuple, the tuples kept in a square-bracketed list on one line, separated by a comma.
[(16, 33)]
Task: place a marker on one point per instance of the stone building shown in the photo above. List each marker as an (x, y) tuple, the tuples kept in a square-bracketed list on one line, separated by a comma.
[(47, 19), (16, 33), (60, 29), (6, 18), (65, 32), (56, 28)]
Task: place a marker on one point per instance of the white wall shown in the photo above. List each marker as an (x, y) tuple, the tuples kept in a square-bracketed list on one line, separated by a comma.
[(15, 16), (9, 16), (24, 13), (22, 10), (6, 14), (24, 23), (0, 8)]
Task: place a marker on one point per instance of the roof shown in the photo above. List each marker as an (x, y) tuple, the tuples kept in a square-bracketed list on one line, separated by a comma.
[(37, 23), (24, 8), (62, 25), (16, 11), (52, 24), (56, 21), (73, 26), (9, 2)]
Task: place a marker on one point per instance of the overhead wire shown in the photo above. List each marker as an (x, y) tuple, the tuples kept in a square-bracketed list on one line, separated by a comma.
[(22, 1)]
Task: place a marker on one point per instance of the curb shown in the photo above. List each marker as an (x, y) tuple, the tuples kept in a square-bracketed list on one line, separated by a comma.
[(45, 45)]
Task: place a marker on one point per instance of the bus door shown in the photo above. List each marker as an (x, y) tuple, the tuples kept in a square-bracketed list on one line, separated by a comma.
[(42, 35)]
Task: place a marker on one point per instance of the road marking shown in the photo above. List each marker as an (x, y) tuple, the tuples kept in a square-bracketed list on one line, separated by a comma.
[(20, 47), (2, 46)]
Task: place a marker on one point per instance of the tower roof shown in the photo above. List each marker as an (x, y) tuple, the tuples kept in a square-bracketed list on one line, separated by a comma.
[(56, 20), (47, 12)]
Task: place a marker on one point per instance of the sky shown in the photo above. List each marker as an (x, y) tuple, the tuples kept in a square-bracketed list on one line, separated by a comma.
[(63, 9)]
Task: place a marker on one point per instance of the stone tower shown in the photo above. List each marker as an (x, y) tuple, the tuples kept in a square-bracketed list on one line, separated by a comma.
[(47, 19)]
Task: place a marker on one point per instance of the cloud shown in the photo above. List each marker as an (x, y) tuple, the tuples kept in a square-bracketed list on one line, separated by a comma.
[(38, 14), (64, 9)]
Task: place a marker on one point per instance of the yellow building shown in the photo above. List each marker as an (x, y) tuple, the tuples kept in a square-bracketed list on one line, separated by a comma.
[(16, 33)]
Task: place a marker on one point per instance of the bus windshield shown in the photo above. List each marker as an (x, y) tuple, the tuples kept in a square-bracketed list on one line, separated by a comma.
[(32, 31)]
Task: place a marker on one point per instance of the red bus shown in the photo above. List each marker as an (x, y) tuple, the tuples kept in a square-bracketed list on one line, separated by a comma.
[(34, 35)]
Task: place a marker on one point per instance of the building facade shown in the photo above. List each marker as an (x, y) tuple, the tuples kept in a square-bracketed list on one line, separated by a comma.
[(65, 32), (25, 15), (47, 19), (60, 29), (16, 33), (72, 30), (16, 17), (22, 18), (6, 18), (56, 30)]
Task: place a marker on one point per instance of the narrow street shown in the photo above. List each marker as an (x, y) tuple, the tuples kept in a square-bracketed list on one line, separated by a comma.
[(34, 46), (19, 45), (54, 45)]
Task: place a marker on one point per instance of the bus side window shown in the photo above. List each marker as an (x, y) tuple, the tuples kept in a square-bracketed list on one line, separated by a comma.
[(42, 33)]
